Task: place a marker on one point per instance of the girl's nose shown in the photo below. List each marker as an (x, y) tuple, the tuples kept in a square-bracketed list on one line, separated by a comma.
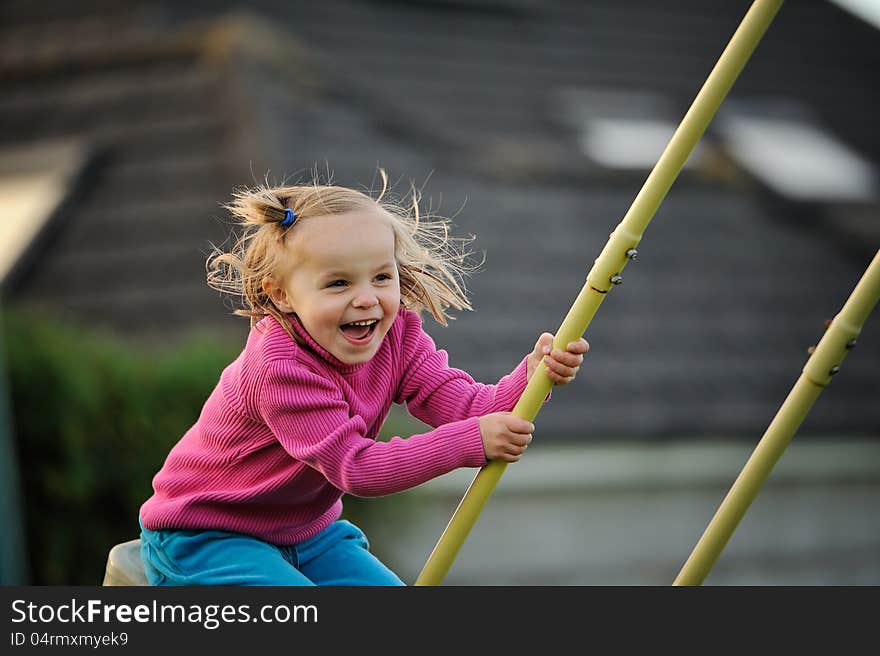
[(365, 299)]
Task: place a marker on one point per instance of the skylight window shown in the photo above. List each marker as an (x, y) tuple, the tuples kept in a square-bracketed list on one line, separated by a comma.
[(867, 10), (795, 156), (621, 130)]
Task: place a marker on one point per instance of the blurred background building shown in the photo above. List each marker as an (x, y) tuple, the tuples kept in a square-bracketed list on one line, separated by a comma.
[(124, 127)]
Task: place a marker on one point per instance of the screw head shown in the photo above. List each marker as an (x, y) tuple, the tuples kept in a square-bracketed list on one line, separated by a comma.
[(632, 253), (834, 370), (850, 344), (616, 279)]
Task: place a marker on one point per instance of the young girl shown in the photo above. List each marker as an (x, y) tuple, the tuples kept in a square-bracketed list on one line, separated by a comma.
[(333, 281)]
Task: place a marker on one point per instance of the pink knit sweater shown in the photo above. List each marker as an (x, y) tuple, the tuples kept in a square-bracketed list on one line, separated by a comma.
[(289, 428)]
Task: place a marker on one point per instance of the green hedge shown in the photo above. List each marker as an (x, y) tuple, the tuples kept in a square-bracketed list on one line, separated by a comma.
[(93, 419)]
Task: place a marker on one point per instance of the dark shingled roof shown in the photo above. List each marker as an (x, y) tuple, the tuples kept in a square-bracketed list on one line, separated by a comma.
[(709, 330)]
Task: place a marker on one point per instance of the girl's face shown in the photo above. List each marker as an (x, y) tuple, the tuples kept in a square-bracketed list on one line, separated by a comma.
[(343, 282)]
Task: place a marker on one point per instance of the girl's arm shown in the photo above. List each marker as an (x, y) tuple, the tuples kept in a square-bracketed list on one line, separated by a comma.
[(437, 394), (313, 423)]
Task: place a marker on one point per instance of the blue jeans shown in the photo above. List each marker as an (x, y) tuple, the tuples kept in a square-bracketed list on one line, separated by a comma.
[(339, 555)]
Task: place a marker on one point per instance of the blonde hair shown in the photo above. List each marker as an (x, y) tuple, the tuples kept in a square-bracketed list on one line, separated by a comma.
[(430, 263)]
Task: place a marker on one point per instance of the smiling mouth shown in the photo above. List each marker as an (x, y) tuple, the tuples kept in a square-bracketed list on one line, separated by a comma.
[(359, 332)]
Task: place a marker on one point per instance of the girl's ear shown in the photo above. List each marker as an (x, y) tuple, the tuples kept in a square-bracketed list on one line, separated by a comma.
[(277, 294)]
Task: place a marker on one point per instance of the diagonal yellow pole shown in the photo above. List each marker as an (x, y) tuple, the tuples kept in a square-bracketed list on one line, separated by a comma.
[(605, 273), (816, 375)]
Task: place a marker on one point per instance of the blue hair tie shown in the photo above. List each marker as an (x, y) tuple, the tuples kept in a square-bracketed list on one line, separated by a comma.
[(289, 218)]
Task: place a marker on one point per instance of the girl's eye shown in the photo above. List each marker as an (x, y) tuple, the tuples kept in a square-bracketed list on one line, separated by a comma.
[(383, 276), (336, 283)]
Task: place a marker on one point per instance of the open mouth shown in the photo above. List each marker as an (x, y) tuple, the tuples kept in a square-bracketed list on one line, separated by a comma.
[(359, 332)]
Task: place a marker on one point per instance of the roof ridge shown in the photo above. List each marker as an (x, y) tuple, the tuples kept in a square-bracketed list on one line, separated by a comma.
[(26, 53)]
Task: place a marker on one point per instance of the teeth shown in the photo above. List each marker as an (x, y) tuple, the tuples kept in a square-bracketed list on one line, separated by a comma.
[(363, 323)]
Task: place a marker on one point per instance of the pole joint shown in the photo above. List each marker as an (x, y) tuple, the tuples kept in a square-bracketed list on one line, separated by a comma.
[(826, 357), (620, 249)]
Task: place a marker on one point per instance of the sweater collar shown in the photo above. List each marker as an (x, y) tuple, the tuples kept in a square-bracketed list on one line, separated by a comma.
[(305, 340)]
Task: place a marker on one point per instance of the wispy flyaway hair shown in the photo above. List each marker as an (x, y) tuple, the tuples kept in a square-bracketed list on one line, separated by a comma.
[(431, 263)]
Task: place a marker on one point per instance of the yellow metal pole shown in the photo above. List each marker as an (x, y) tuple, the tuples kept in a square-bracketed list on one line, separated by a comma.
[(605, 273), (817, 372)]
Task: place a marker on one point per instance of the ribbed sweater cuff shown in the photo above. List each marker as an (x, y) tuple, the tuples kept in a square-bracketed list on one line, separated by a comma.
[(472, 440), (511, 387)]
